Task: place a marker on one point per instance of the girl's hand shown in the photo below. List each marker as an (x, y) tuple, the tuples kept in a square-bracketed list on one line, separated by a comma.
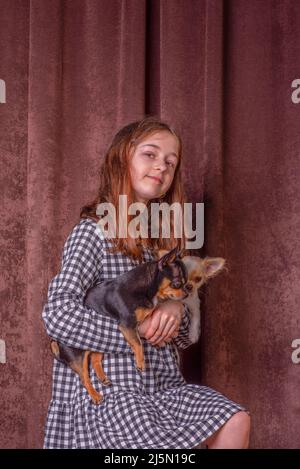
[(163, 325)]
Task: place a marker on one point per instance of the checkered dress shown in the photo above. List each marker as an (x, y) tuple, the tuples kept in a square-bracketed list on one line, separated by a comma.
[(150, 409)]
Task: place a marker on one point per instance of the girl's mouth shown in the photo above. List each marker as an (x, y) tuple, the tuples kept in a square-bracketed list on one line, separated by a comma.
[(158, 180)]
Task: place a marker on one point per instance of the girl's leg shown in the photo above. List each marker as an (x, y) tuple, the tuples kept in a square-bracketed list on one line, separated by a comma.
[(234, 434)]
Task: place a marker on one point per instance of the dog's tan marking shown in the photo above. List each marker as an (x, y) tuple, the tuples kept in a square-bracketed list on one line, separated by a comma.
[(142, 313), (165, 290), (85, 378), (177, 293), (96, 361), (134, 341)]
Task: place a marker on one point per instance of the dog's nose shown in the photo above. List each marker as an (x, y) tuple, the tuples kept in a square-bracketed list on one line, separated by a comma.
[(188, 288)]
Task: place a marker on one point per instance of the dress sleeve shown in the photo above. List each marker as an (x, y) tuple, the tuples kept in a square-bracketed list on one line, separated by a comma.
[(182, 341), (65, 316)]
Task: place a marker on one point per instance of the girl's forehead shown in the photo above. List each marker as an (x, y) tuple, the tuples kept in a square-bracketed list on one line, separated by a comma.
[(160, 137)]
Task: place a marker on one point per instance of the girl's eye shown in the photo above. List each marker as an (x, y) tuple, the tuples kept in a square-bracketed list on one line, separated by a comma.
[(171, 164)]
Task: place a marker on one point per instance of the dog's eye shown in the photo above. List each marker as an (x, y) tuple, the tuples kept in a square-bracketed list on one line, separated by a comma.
[(197, 279)]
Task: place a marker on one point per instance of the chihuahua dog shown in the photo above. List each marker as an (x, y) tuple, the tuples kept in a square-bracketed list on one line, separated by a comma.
[(128, 299), (199, 271)]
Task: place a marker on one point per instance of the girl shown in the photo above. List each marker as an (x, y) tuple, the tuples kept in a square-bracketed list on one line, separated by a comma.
[(156, 408)]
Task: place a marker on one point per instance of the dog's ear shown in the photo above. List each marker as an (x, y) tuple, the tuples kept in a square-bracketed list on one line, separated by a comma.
[(181, 253), (161, 253), (213, 266), (168, 258)]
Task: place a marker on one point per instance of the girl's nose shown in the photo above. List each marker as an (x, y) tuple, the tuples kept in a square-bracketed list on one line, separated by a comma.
[(161, 165)]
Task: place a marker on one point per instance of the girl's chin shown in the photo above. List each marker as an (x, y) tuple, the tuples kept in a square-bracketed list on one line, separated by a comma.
[(146, 198)]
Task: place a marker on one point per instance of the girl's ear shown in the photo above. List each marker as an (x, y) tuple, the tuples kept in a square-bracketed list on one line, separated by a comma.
[(213, 266)]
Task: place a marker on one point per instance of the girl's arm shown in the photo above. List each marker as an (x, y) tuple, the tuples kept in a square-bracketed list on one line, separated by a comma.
[(182, 341), (66, 318)]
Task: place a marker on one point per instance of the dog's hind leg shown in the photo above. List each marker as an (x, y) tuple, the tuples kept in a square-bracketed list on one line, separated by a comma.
[(85, 378), (96, 360), (78, 361)]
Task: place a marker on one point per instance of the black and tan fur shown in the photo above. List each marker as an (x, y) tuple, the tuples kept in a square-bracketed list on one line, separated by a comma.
[(129, 299), (199, 271)]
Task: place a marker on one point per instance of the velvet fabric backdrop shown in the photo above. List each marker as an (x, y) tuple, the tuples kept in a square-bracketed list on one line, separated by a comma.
[(221, 72)]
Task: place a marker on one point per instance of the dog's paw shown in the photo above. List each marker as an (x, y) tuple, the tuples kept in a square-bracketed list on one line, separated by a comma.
[(107, 382), (141, 365), (98, 400)]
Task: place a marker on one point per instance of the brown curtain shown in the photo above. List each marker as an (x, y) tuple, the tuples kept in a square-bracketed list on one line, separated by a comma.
[(221, 72)]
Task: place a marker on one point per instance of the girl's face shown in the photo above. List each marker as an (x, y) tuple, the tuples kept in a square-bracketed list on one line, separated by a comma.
[(153, 165)]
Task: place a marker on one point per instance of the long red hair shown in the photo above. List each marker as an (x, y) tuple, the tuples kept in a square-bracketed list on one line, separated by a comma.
[(115, 180)]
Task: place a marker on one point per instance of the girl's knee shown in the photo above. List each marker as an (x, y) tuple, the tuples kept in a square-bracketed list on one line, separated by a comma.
[(242, 420)]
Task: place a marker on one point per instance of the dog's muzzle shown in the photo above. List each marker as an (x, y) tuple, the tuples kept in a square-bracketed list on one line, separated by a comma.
[(188, 288)]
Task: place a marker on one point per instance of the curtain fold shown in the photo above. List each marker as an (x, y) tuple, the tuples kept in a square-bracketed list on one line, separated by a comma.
[(221, 73), (253, 307)]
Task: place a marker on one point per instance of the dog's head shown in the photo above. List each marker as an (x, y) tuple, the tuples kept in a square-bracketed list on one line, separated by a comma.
[(198, 270), (172, 276), (201, 270)]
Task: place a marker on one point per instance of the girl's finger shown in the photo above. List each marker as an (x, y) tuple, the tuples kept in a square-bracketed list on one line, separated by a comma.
[(153, 326), (167, 333), (165, 323)]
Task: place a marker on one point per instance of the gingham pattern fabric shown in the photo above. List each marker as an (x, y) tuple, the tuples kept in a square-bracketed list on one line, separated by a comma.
[(150, 409)]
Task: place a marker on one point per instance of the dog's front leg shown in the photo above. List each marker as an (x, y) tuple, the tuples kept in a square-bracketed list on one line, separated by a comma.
[(135, 343)]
